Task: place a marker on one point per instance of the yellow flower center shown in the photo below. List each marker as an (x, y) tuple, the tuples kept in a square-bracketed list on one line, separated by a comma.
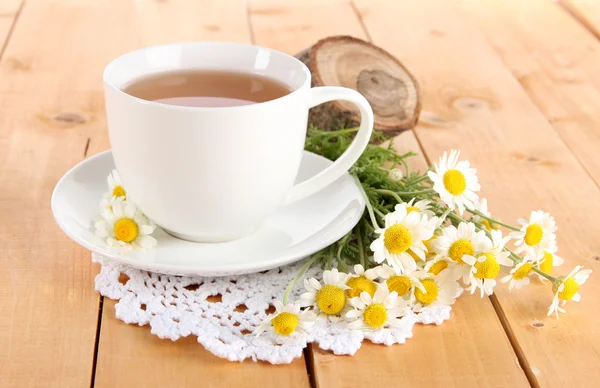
[(397, 239), (400, 284), (533, 235), (523, 271), (488, 225), (438, 267), (455, 182), (570, 289), (460, 248), (331, 299), (412, 209), (375, 315), (414, 255), (126, 230), (360, 284), (487, 269), (431, 293), (427, 243), (118, 191), (285, 323), (548, 262)]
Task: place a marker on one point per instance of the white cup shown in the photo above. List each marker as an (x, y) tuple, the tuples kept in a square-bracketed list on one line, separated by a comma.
[(215, 174)]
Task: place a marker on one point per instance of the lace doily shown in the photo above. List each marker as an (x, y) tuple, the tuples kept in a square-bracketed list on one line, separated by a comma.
[(224, 311)]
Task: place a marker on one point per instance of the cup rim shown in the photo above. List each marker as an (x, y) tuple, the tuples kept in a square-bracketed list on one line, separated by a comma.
[(118, 90)]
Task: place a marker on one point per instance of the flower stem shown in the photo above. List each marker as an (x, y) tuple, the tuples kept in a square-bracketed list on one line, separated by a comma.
[(397, 194), (420, 179), (367, 202), (361, 253), (330, 251), (544, 274), (389, 193), (341, 244), (298, 276), (380, 214), (517, 259), (492, 220), (445, 214)]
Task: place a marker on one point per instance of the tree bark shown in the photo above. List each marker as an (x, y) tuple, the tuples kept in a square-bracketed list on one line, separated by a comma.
[(353, 63)]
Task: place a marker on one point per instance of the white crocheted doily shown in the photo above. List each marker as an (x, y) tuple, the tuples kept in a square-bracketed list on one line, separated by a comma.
[(222, 312)]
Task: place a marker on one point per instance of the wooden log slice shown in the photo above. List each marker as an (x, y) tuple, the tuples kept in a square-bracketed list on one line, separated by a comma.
[(353, 63)]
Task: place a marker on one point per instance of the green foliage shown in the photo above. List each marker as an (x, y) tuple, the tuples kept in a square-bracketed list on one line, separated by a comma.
[(376, 170)]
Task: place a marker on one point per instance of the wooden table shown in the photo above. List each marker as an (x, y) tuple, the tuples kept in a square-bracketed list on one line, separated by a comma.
[(514, 84)]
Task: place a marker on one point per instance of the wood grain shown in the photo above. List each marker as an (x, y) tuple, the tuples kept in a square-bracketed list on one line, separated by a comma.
[(462, 352), (476, 105), (133, 357), (48, 307), (294, 26), (556, 61), (586, 11), (8, 12), (129, 356)]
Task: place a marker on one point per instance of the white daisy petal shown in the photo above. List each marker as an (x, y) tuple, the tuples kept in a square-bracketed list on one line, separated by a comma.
[(146, 242)]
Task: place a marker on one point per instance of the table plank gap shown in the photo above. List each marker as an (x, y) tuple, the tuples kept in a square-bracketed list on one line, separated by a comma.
[(97, 339), (9, 16), (514, 342), (292, 28), (310, 365), (47, 305), (365, 31), (473, 102), (555, 59), (585, 12), (132, 356)]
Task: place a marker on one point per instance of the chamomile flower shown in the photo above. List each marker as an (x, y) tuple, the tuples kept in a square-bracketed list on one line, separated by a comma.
[(462, 245), (519, 275), (536, 234), (441, 266), (482, 207), (423, 207), (106, 203), (115, 186), (455, 182), (565, 289), (402, 283), (124, 225), (380, 311), (548, 261), (287, 320), (402, 239), (329, 299), (362, 281), (487, 267), (437, 291)]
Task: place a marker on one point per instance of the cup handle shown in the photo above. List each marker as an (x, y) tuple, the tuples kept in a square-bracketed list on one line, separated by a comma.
[(318, 96)]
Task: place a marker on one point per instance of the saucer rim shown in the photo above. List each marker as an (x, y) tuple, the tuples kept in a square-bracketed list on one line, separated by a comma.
[(277, 260)]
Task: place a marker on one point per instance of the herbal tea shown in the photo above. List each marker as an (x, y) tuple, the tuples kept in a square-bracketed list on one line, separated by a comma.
[(206, 88)]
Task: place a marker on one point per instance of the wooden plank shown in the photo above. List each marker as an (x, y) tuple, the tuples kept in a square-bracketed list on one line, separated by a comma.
[(469, 350), (586, 11), (129, 356), (556, 60), (133, 357), (292, 28), (48, 307), (8, 13), (476, 105)]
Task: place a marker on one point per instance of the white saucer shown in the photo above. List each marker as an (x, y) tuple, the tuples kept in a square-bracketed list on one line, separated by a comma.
[(294, 232)]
